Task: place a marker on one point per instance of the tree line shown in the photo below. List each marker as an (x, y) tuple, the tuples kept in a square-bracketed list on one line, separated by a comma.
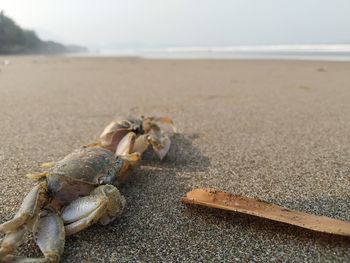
[(15, 40)]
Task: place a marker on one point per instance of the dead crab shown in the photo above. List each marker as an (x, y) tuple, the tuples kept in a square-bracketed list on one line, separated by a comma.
[(80, 190)]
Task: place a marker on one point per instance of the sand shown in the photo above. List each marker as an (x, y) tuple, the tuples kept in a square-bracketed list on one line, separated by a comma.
[(274, 130)]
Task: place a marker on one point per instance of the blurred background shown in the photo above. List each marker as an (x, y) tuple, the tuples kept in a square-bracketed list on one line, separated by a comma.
[(188, 28)]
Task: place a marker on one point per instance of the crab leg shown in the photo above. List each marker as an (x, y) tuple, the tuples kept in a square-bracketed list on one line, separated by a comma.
[(48, 165), (103, 205), (24, 219), (29, 209), (11, 242), (50, 237)]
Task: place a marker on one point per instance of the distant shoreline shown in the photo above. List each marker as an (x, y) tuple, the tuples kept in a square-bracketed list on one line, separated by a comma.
[(279, 52), (222, 56)]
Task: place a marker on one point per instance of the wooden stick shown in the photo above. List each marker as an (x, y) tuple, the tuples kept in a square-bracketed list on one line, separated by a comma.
[(251, 206)]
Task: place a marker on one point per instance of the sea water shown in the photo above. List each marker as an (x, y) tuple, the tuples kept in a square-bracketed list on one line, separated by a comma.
[(296, 52)]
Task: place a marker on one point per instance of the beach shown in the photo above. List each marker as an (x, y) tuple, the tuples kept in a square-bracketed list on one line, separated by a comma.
[(275, 130)]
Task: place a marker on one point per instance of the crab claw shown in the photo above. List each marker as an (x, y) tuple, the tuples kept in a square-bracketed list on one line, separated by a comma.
[(114, 133), (126, 144), (160, 144), (117, 129), (136, 134), (159, 141), (164, 148)]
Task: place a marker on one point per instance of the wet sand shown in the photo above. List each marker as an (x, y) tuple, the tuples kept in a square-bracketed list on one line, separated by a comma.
[(274, 130)]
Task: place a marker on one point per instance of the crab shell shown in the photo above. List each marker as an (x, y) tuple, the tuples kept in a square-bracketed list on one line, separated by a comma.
[(81, 171)]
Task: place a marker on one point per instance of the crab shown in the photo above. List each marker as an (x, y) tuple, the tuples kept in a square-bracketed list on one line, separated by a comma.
[(81, 189), (145, 130)]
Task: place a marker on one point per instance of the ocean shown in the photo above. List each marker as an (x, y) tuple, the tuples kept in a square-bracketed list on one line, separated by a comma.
[(294, 52)]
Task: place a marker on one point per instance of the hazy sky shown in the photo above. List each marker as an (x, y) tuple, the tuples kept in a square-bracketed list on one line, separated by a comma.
[(104, 23)]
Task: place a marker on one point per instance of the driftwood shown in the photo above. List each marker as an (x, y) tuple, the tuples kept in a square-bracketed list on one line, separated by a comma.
[(251, 206)]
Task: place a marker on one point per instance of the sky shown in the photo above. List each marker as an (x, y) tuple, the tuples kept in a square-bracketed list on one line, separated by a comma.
[(176, 23)]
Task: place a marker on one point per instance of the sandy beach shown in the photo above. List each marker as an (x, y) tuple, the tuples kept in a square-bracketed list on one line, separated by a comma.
[(274, 130)]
